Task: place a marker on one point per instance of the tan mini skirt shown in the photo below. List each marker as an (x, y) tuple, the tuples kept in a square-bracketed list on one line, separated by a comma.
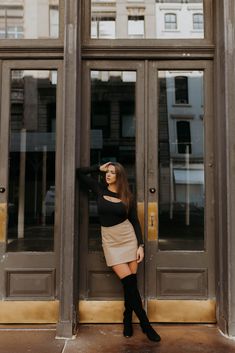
[(119, 243)]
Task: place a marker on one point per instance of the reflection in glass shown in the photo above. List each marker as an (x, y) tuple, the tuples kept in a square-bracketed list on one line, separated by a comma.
[(170, 21), (181, 90), (103, 27), (123, 19), (181, 162), (112, 131), (31, 196), (30, 19), (198, 21)]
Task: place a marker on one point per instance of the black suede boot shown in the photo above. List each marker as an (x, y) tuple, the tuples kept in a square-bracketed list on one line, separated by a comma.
[(127, 322), (127, 317), (134, 301)]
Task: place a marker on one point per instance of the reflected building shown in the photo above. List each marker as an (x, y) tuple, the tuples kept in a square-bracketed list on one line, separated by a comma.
[(147, 19), (32, 160), (29, 19), (181, 159)]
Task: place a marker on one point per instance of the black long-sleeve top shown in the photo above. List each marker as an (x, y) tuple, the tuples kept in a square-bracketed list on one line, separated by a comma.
[(110, 213)]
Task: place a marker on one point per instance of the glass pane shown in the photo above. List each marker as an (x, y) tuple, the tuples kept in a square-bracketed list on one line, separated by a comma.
[(166, 19), (181, 162), (31, 197), (112, 131), (29, 19)]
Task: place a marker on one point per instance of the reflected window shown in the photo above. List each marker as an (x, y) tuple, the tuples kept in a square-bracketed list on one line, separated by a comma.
[(127, 111), (54, 22), (32, 190), (181, 90), (103, 27), (183, 136), (112, 135), (136, 26), (149, 19), (170, 21), (198, 21), (11, 22), (100, 117), (181, 195), (21, 19)]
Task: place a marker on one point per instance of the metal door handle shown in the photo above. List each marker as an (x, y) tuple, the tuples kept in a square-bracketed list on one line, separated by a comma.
[(152, 218), (2, 189), (152, 221)]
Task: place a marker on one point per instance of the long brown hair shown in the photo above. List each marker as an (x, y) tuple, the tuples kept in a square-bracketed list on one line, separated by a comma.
[(123, 188)]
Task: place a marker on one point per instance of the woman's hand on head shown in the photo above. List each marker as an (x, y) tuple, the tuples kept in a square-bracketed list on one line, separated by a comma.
[(104, 167), (140, 254)]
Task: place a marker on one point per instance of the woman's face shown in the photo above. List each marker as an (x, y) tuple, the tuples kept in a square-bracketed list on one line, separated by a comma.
[(111, 175)]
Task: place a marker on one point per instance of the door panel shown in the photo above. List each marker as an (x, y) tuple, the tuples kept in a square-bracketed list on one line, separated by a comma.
[(113, 121), (30, 154), (180, 167), (168, 152)]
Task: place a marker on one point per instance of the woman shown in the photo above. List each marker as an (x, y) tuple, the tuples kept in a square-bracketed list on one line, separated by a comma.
[(121, 238)]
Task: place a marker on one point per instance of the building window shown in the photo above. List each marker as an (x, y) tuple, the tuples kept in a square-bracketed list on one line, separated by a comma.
[(181, 90), (103, 27), (136, 26), (11, 22), (198, 21), (34, 19), (100, 117), (170, 21), (127, 114), (183, 137), (54, 21)]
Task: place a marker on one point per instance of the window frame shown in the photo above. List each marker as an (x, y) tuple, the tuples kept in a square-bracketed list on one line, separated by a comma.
[(155, 43)]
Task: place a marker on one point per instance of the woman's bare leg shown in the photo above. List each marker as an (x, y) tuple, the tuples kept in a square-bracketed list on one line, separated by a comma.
[(133, 266), (123, 270)]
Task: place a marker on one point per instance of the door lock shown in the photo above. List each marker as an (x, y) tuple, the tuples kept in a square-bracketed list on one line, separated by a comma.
[(2, 189), (152, 190)]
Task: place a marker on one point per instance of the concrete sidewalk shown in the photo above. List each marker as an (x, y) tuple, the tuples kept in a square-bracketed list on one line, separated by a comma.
[(109, 339)]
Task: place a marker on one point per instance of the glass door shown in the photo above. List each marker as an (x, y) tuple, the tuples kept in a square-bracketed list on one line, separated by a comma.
[(30, 125), (112, 130), (180, 278), (156, 119)]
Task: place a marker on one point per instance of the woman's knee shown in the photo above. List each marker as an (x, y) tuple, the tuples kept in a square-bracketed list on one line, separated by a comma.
[(122, 270), (133, 266)]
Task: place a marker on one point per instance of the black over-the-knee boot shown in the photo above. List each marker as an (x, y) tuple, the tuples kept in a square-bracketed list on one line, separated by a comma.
[(134, 301), (127, 318)]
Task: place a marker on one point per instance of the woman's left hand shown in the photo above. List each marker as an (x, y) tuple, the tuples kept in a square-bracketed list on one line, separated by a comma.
[(140, 254)]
